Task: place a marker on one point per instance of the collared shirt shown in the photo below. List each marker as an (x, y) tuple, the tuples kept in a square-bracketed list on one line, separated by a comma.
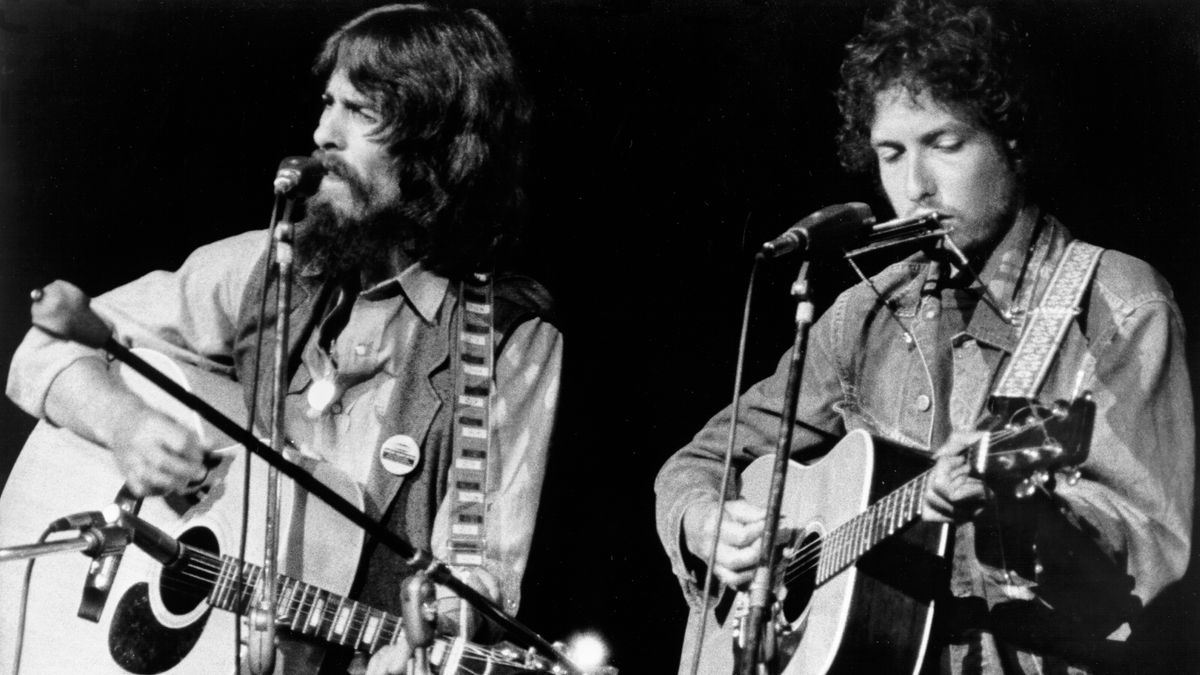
[(191, 315), (928, 365)]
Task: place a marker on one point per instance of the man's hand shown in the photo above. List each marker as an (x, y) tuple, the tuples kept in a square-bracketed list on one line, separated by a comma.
[(953, 495), (155, 453), (394, 659), (390, 660), (740, 541)]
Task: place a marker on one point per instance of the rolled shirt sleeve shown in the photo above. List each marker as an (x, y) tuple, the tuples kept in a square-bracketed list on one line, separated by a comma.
[(187, 314), (693, 474)]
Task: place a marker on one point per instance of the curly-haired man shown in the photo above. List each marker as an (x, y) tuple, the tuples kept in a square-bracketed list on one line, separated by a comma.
[(916, 355)]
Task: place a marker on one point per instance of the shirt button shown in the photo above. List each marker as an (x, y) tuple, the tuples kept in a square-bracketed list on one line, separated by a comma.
[(923, 403), (931, 314), (360, 349)]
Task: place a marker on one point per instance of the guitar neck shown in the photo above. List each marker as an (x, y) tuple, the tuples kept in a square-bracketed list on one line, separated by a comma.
[(308, 610), (850, 541)]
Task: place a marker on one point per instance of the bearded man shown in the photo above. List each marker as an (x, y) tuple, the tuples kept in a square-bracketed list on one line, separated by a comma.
[(422, 138)]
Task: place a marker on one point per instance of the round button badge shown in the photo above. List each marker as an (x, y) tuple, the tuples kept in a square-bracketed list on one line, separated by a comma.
[(399, 455)]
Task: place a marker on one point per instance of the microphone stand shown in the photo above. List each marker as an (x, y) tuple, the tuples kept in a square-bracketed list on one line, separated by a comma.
[(262, 618), (61, 310), (757, 653), (83, 543)]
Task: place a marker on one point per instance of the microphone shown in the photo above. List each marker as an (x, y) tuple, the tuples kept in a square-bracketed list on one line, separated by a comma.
[(831, 226), (302, 174), (113, 528), (153, 541)]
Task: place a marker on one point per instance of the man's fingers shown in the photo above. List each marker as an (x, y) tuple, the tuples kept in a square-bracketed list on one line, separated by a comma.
[(734, 579), (958, 442), (743, 511), (741, 534), (390, 660), (174, 467), (739, 558)]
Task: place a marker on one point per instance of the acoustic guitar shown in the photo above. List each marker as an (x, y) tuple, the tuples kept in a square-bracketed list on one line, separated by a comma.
[(162, 620), (856, 585)]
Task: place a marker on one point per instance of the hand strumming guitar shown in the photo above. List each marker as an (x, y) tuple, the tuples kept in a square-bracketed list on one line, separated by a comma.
[(155, 453), (740, 540), (954, 495)]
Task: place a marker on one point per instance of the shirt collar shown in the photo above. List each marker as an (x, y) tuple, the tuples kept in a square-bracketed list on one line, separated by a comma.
[(1002, 272), (1008, 273), (424, 289)]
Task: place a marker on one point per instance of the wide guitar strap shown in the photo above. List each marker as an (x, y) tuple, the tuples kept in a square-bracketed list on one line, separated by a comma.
[(1047, 323), (472, 420)]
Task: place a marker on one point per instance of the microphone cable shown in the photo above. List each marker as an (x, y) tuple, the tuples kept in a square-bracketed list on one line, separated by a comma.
[(19, 638), (727, 467)]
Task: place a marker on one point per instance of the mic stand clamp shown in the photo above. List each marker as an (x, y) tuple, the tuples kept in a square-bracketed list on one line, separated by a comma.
[(103, 570), (758, 638), (419, 611)]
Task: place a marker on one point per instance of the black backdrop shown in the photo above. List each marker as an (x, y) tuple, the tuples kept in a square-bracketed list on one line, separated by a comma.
[(669, 135)]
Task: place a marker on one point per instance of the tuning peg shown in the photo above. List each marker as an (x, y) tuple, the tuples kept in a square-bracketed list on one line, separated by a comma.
[(1072, 474), (1031, 455), (1025, 488), (1041, 477)]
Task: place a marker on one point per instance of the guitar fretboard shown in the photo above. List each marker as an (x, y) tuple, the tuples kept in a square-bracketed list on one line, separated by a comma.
[(314, 612), (303, 608), (848, 542)]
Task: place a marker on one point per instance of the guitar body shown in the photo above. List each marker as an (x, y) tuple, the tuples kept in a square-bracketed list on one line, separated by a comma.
[(874, 615), (148, 625)]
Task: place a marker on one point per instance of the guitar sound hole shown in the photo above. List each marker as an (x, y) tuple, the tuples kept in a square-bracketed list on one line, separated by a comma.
[(183, 586), (801, 577)]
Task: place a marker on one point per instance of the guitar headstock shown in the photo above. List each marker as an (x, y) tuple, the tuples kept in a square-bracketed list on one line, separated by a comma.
[(1030, 442)]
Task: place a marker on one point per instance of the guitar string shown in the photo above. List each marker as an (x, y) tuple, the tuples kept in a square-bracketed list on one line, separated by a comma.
[(329, 612), (874, 525), (805, 559), (190, 580), (808, 557)]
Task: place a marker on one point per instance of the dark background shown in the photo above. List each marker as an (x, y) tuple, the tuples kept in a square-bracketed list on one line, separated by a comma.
[(671, 137)]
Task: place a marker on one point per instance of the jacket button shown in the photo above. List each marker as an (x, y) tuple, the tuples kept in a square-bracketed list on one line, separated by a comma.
[(923, 403)]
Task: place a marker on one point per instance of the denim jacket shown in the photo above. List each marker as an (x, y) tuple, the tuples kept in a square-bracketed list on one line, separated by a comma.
[(1098, 550)]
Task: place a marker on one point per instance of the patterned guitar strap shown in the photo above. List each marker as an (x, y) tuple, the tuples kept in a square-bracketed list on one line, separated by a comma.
[(1043, 334), (472, 421), (1048, 322)]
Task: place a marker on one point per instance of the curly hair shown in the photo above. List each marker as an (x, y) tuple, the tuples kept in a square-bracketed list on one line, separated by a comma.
[(456, 120), (958, 56)]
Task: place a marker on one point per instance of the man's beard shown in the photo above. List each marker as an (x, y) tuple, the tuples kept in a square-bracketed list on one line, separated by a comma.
[(364, 241), (336, 244)]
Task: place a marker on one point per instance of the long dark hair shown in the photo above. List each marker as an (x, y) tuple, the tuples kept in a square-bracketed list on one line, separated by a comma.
[(456, 121)]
